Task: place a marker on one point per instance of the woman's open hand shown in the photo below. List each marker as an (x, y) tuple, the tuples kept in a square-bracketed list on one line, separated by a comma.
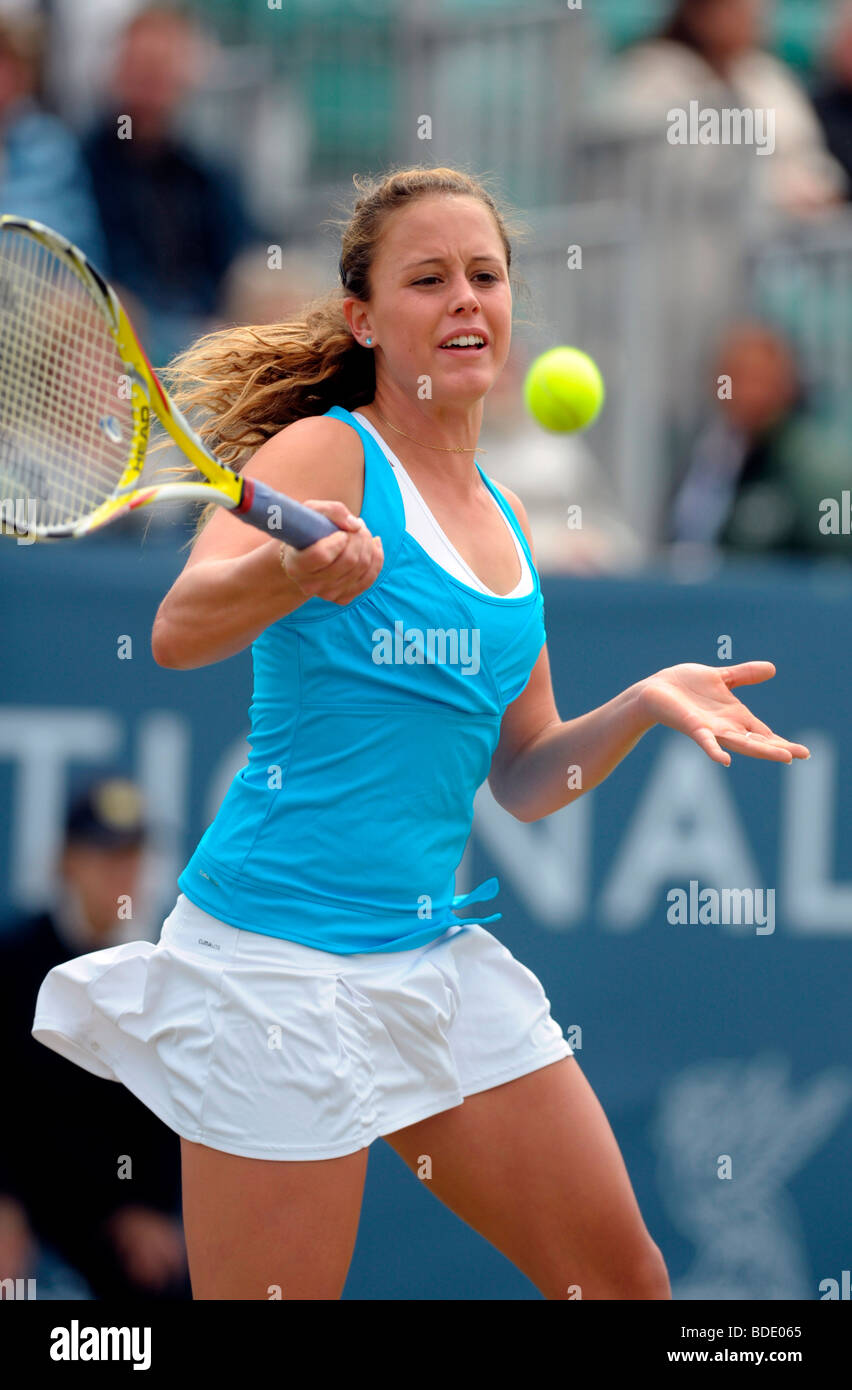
[(697, 701)]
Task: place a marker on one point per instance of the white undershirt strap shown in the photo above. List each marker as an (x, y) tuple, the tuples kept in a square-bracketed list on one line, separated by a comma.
[(423, 527)]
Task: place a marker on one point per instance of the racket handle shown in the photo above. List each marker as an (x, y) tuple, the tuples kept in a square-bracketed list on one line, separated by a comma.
[(280, 516)]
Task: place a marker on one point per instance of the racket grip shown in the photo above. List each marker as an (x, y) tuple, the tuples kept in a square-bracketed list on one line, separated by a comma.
[(271, 511)]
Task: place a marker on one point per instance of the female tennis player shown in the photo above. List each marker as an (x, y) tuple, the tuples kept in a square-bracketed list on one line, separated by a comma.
[(313, 988)]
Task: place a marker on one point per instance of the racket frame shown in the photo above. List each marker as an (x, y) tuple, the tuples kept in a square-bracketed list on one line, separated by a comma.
[(246, 496)]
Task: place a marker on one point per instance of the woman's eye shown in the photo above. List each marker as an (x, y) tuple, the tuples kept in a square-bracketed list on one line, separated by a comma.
[(489, 274)]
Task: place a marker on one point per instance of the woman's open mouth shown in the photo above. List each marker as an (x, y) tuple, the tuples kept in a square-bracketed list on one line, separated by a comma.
[(465, 342)]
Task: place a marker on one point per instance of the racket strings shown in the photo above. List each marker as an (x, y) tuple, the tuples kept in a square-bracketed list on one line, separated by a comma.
[(50, 359), (65, 423), (54, 360)]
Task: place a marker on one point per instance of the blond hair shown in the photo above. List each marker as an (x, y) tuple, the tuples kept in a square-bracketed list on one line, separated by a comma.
[(249, 382)]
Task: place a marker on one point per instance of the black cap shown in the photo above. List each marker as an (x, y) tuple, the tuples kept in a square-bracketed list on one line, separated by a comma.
[(108, 812)]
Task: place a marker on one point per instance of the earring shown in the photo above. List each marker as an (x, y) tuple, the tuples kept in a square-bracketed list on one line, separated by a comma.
[(369, 342)]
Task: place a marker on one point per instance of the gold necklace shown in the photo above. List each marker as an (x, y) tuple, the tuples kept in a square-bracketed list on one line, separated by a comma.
[(442, 449)]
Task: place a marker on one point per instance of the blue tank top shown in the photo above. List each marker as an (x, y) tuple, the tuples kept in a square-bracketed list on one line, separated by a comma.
[(372, 726)]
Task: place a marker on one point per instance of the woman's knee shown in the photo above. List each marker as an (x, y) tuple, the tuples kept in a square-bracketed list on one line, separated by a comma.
[(648, 1277), (634, 1276)]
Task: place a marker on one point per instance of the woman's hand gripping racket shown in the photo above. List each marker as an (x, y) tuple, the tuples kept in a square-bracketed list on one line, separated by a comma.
[(76, 395)]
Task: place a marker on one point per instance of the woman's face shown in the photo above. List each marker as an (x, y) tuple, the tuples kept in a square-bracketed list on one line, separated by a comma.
[(440, 271)]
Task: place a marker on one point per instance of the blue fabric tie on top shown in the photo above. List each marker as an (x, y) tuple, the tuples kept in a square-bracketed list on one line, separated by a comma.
[(489, 888), (373, 724)]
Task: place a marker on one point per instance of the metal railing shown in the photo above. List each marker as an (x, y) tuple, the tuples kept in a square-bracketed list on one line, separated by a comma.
[(495, 91), (591, 302), (801, 280), (672, 250)]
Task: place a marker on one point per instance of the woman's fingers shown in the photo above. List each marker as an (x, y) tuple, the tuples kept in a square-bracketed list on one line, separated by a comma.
[(758, 726), (759, 745), (749, 742), (798, 750), (748, 673), (337, 512), (319, 557), (755, 745), (354, 582), (337, 567), (706, 739)]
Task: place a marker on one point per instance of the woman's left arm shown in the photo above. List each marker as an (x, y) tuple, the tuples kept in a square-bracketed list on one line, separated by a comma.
[(542, 762)]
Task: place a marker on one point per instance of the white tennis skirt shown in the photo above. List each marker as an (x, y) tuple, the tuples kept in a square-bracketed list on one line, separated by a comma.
[(266, 1048)]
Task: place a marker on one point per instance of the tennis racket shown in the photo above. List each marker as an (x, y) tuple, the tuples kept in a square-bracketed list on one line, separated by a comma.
[(76, 396)]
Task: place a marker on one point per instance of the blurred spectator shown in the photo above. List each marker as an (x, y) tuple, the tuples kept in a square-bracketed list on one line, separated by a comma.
[(262, 286), (760, 469), (63, 1127), (42, 173), (710, 51), (173, 223), (574, 516), (833, 99), (702, 207)]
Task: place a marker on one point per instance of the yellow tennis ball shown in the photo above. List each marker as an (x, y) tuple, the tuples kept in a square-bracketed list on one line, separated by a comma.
[(564, 389)]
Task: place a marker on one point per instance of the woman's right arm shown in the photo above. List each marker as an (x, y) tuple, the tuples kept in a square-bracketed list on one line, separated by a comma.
[(234, 585)]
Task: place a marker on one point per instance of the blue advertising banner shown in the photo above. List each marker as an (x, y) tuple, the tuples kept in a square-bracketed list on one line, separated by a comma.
[(690, 923)]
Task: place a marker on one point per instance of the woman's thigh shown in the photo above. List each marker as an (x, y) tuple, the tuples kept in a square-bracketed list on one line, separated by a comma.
[(258, 1228), (534, 1167)]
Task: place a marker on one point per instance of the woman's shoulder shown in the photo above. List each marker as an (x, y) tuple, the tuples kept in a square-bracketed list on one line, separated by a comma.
[(329, 439), (326, 426)]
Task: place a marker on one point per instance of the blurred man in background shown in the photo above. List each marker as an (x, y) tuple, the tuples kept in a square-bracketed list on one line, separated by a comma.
[(761, 467), (833, 98), (705, 195), (42, 173), (173, 223), (713, 52), (258, 289), (64, 1128)]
